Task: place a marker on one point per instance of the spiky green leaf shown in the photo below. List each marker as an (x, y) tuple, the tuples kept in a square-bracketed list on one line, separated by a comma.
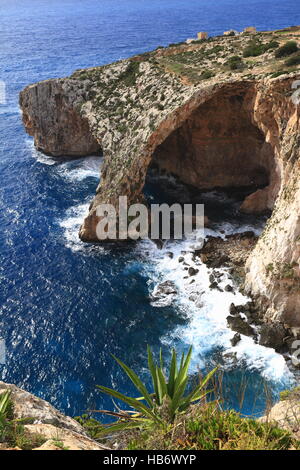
[(135, 380), (152, 369), (132, 402), (172, 374)]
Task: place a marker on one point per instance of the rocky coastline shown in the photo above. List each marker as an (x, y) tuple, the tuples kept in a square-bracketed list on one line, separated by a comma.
[(206, 104)]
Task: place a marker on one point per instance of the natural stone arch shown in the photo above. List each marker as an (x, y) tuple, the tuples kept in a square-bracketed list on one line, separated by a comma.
[(259, 169), (219, 145), (273, 267)]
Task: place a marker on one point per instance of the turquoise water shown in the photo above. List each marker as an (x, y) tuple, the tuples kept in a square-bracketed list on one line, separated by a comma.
[(65, 306)]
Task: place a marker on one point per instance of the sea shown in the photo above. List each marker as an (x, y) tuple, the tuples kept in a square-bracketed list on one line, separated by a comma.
[(65, 306)]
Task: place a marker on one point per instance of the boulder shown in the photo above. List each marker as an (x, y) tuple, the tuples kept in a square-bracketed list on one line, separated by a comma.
[(193, 271), (236, 323), (235, 339), (61, 439), (165, 288), (228, 288), (233, 310), (273, 336)]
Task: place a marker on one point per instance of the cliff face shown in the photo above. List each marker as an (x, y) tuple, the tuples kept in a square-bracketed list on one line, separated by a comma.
[(199, 112), (50, 115), (273, 268), (44, 424)]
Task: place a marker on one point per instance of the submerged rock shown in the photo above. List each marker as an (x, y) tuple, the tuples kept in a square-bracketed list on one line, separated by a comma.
[(163, 294), (193, 271)]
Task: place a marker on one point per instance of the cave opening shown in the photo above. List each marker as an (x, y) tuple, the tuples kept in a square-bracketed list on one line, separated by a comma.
[(217, 148)]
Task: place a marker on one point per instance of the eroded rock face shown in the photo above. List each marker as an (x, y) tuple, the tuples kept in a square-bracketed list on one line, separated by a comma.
[(51, 115), (229, 130), (57, 430), (218, 145), (273, 271), (27, 405)]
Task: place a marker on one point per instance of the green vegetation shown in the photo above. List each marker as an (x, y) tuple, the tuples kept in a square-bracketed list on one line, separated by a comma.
[(293, 394), (171, 419), (12, 431), (270, 267), (293, 60), (59, 444), (176, 44), (277, 74), (165, 402), (210, 428), (206, 75), (255, 48), (93, 427), (287, 49), (288, 271), (131, 73), (234, 63)]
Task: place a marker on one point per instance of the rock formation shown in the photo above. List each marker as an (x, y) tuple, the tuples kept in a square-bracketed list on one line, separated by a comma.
[(204, 113), (56, 430), (286, 413)]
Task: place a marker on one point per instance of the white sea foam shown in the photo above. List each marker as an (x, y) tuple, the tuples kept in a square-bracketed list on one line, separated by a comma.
[(206, 310), (9, 109), (228, 228), (39, 156), (71, 224), (75, 169), (78, 170)]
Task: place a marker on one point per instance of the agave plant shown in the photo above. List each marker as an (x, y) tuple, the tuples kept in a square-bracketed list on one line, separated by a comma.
[(4, 405), (167, 399)]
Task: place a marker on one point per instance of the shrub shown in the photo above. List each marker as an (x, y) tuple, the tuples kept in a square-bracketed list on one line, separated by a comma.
[(234, 63), (210, 428), (255, 48), (294, 60), (12, 431), (165, 402), (293, 394), (5, 409), (279, 73), (129, 76), (287, 49), (206, 75)]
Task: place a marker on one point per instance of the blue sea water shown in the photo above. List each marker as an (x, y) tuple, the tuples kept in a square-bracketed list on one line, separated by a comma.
[(64, 306)]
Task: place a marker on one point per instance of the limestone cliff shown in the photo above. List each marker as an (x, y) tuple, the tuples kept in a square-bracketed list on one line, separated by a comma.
[(44, 423), (204, 112)]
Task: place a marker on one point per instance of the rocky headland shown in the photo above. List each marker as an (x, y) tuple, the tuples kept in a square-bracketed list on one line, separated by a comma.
[(217, 113)]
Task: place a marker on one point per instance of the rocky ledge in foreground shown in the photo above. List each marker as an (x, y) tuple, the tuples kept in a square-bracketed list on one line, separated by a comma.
[(43, 425), (222, 112)]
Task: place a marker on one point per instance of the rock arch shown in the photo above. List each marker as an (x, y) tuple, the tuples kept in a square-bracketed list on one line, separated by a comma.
[(200, 119)]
